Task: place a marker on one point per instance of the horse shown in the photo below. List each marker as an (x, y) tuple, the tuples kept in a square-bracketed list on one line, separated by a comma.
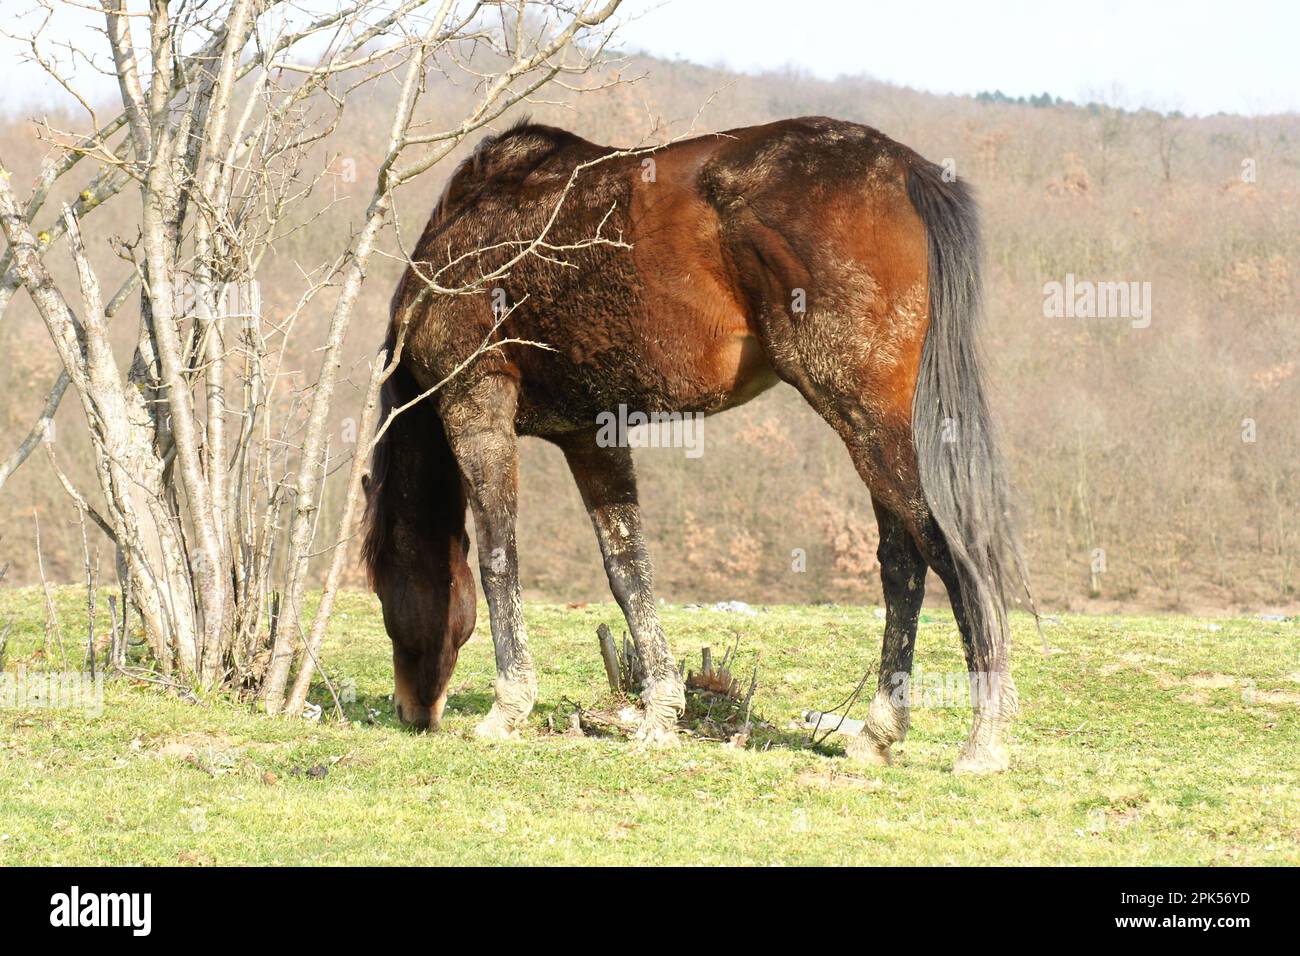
[(687, 278)]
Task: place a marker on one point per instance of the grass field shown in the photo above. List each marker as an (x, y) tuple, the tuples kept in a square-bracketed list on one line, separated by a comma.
[(1167, 740)]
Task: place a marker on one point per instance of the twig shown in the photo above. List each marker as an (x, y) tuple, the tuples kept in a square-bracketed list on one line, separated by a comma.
[(53, 616)]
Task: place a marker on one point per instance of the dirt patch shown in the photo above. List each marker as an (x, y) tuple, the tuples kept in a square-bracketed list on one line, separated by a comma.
[(1257, 696), (175, 751), (834, 779), (1132, 657), (1141, 663), (1207, 681), (187, 744)]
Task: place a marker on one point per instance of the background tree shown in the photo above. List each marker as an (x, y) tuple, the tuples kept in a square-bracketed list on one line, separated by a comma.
[(209, 464)]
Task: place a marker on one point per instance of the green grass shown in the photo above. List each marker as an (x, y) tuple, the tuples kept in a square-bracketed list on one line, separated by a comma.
[(1142, 741)]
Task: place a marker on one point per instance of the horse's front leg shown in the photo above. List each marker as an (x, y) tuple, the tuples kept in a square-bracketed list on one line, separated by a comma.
[(607, 482), (480, 430)]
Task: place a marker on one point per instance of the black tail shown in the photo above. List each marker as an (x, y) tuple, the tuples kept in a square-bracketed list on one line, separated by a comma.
[(414, 494), (960, 469)]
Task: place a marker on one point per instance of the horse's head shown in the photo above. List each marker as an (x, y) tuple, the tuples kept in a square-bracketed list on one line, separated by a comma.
[(429, 614), (416, 549)]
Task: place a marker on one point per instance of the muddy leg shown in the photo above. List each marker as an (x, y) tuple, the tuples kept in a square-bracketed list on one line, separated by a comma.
[(896, 492), (993, 692), (480, 428), (607, 482), (902, 574)]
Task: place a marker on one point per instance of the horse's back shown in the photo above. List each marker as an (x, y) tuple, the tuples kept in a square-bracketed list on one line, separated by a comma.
[(666, 276)]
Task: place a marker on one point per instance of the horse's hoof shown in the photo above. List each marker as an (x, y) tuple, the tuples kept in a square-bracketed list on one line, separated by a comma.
[(982, 759), (657, 738), (495, 727), (863, 748), (664, 702)]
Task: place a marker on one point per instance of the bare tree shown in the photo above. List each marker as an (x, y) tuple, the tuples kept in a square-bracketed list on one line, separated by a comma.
[(210, 466), (1167, 125)]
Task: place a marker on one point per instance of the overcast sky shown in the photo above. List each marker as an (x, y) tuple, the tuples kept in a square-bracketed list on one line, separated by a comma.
[(1198, 56), (1201, 56)]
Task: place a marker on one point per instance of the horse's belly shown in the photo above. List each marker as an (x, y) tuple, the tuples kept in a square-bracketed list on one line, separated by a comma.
[(744, 372), (705, 376)]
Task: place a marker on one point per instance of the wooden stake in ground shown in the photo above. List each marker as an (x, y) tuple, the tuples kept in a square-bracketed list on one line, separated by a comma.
[(609, 654), (623, 669)]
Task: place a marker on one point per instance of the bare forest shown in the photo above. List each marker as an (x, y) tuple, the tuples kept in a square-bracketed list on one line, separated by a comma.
[(1154, 459)]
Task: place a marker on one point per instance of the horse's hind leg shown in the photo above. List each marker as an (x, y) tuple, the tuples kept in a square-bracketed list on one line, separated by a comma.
[(479, 421), (902, 575), (993, 693), (881, 450), (873, 417), (607, 482)]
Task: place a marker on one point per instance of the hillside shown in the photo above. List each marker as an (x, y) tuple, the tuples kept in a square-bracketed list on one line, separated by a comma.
[(1155, 465)]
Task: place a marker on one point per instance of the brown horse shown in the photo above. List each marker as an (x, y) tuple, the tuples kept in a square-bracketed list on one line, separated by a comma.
[(688, 278)]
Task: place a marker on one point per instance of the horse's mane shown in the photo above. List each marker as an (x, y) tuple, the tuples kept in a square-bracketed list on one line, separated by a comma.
[(509, 155)]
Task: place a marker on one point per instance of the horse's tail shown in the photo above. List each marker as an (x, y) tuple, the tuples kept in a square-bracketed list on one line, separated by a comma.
[(414, 497), (961, 472)]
